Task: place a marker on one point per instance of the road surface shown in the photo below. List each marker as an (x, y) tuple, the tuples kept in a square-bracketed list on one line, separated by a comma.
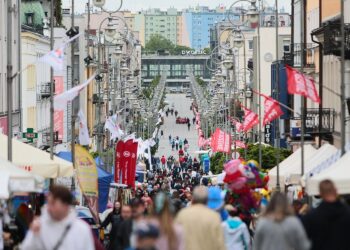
[(182, 105)]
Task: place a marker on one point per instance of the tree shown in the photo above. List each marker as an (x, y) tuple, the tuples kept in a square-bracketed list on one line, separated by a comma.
[(269, 154), (179, 48), (207, 51), (158, 42)]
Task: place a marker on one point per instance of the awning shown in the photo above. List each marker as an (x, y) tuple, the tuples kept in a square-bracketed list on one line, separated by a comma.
[(13, 179), (339, 173), (35, 160), (290, 165)]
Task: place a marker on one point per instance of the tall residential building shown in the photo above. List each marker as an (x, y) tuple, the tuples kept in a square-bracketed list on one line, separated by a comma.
[(197, 23), (16, 104), (154, 21)]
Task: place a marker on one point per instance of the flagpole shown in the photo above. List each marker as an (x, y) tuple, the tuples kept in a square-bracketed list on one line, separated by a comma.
[(259, 81), (302, 9), (52, 84), (342, 83), (277, 122), (73, 101)]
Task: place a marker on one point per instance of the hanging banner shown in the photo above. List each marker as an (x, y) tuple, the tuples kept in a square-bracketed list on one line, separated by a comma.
[(87, 178), (301, 84), (239, 144), (272, 110), (221, 141), (125, 166), (250, 119), (118, 161)]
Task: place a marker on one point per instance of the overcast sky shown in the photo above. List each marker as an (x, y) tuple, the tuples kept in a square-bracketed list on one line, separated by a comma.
[(135, 5)]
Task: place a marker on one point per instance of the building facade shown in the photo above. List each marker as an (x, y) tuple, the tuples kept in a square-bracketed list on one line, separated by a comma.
[(16, 90)]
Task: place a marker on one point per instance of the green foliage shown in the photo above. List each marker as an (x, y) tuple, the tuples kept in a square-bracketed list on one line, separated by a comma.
[(269, 155), (94, 154), (148, 92), (200, 81), (207, 51), (58, 12), (217, 162), (158, 42)]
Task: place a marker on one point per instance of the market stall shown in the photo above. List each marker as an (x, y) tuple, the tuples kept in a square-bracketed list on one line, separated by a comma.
[(35, 160), (13, 179), (290, 165), (339, 173)]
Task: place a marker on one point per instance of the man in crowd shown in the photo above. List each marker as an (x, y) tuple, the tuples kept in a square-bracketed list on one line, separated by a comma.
[(116, 222), (327, 226), (202, 226), (58, 227)]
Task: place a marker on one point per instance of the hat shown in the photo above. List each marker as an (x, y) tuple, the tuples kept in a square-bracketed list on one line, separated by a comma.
[(215, 200)]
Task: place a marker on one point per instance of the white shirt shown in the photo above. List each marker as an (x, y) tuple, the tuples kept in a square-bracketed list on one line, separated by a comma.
[(78, 237)]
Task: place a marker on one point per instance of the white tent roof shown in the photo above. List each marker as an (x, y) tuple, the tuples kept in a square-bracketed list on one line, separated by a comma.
[(14, 179), (35, 160), (289, 165), (339, 173), (322, 154)]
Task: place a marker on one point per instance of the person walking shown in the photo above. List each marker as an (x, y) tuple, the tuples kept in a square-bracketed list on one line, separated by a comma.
[(176, 113), (125, 214), (193, 120), (181, 143), (202, 226), (236, 233), (163, 161), (177, 144), (113, 219), (171, 234), (170, 139), (279, 229), (58, 227), (172, 144), (189, 126), (328, 224), (161, 133)]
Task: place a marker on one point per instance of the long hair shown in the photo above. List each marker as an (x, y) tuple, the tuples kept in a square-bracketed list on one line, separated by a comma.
[(164, 213), (278, 208)]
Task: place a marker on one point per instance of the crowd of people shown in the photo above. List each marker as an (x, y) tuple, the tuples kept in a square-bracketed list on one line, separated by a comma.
[(198, 219)]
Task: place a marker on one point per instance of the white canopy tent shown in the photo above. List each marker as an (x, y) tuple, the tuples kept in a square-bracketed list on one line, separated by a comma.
[(35, 160), (13, 179), (322, 154), (289, 166), (339, 173)]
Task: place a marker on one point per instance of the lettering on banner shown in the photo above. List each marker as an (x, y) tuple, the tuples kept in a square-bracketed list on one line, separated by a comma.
[(268, 133)]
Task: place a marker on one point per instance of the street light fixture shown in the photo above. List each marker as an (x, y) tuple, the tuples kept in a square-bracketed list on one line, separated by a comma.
[(124, 69), (253, 13), (238, 40), (110, 30), (228, 62)]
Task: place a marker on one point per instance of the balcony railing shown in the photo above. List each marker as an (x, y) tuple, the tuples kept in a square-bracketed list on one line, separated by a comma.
[(293, 58)]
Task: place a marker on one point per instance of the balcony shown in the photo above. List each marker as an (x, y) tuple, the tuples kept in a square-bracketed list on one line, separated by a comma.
[(312, 126), (293, 58), (96, 99), (330, 35), (44, 91)]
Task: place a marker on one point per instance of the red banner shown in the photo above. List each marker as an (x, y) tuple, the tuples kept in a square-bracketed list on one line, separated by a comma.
[(250, 119), (272, 110), (240, 144), (237, 124), (125, 165), (221, 141), (118, 161), (301, 84)]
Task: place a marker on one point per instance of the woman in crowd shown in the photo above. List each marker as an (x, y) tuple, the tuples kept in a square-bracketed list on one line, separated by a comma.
[(171, 235), (279, 229)]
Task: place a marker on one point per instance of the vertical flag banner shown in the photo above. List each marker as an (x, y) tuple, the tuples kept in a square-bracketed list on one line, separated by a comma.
[(250, 119), (237, 124), (125, 165), (61, 100), (59, 114), (55, 58), (118, 161), (272, 110), (221, 141), (87, 177), (301, 84), (84, 138)]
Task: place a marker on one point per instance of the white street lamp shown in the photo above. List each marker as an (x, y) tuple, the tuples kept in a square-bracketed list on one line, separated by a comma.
[(253, 13), (124, 69), (99, 3), (238, 40), (228, 62)]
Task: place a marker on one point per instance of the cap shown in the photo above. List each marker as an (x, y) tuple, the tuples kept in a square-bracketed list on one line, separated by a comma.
[(215, 200)]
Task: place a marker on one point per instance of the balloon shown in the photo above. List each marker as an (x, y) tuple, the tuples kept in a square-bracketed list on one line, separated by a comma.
[(253, 163), (232, 170), (237, 183)]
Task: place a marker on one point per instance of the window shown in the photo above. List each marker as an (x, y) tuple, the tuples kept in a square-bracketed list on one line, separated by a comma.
[(250, 44), (29, 19), (31, 117), (31, 77)]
